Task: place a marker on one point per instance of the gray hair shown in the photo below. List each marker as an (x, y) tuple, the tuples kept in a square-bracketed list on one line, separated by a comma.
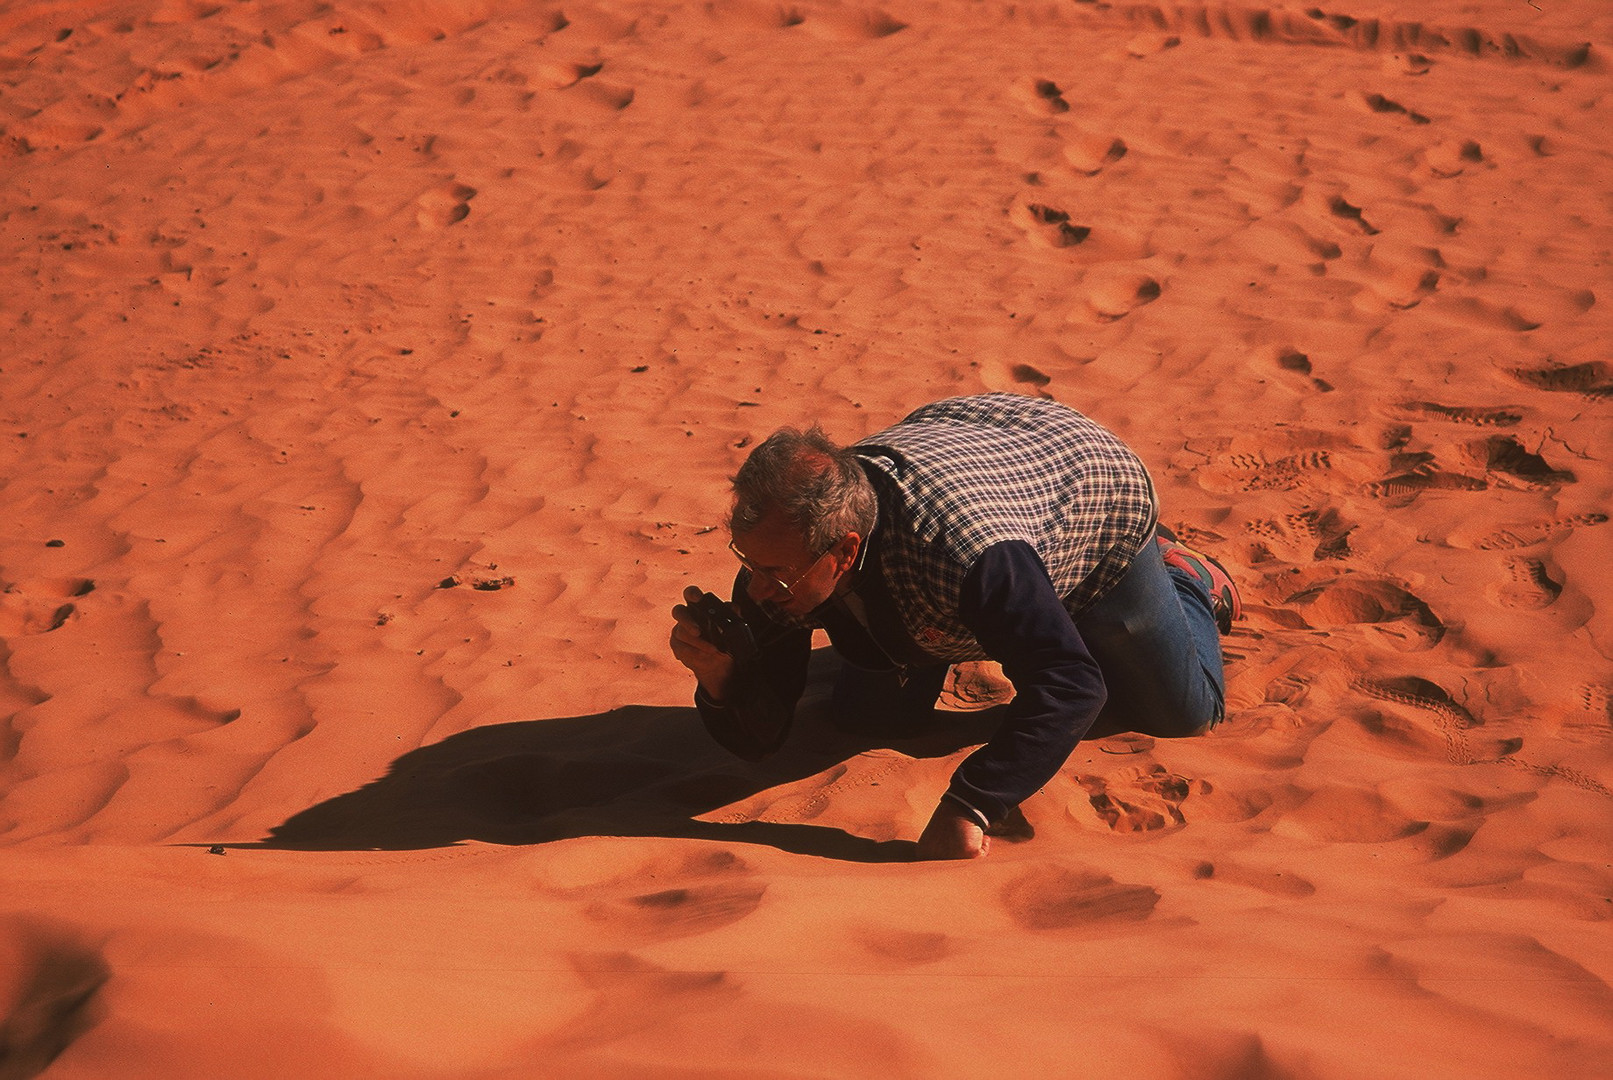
[(818, 487)]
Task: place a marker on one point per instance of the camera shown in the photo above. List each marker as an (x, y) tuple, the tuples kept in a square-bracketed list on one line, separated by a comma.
[(721, 625)]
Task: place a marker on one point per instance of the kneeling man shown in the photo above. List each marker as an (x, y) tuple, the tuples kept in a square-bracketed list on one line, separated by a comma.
[(996, 527)]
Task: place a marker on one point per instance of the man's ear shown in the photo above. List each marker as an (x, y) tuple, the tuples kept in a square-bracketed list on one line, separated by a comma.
[(846, 552)]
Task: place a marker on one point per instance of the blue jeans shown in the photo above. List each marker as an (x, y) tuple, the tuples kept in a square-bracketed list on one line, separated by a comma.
[(1153, 636), (1155, 640)]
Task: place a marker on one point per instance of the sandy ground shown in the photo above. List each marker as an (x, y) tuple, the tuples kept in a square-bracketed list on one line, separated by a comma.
[(370, 374)]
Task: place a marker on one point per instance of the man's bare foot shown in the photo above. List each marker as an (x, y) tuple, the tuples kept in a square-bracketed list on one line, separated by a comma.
[(953, 833)]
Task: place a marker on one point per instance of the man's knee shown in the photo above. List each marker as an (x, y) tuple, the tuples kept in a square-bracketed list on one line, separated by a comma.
[(1200, 729), (1196, 724), (1177, 723)]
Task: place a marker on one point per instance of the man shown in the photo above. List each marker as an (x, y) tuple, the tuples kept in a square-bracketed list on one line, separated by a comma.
[(994, 527)]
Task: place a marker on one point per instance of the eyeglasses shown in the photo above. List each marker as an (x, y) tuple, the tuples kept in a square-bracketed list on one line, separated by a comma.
[(771, 579)]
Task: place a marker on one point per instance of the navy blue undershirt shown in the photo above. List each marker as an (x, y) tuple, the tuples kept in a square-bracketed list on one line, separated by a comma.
[(1010, 606)]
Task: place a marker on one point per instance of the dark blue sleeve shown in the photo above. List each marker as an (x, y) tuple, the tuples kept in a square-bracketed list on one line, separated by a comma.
[(754, 719), (1011, 607)]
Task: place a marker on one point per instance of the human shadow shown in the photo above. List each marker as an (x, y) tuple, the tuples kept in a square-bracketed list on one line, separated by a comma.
[(637, 770)]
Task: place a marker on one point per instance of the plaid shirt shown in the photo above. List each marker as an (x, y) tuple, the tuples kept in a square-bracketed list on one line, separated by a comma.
[(960, 475), (997, 483)]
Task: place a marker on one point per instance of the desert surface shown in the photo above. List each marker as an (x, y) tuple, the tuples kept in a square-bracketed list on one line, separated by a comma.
[(371, 375)]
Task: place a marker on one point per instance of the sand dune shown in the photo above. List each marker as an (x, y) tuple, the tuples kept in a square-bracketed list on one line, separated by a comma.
[(371, 377)]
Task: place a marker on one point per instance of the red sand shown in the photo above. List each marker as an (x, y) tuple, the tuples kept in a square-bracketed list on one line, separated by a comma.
[(309, 307)]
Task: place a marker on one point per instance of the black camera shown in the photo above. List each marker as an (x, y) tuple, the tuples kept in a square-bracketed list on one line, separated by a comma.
[(721, 625)]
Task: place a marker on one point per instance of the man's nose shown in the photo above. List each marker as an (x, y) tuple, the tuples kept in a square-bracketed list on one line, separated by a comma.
[(759, 588)]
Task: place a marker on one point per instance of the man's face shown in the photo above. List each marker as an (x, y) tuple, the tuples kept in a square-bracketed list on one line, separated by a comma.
[(787, 573)]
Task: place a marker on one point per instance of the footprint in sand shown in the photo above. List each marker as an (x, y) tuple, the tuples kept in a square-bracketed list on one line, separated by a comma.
[(1269, 740), (1272, 882), (905, 948), (1511, 537), (1146, 799), (443, 206), (1112, 293), (1312, 535), (665, 898), (557, 75), (751, 16), (1302, 459), (1066, 898), (631, 978), (1455, 723), (1529, 585), (1377, 103), (1220, 1052), (1406, 286), (1234, 805), (1152, 43), (1593, 379), (1498, 416), (1029, 375), (1091, 154), (1042, 97), (51, 981), (1340, 208), (665, 914), (1597, 700), (41, 607), (1320, 28), (1424, 798), (1399, 275), (607, 95), (1283, 243), (1402, 488), (1507, 461), (1471, 311), (1453, 157), (1592, 721), (1266, 179), (1289, 689), (1337, 814), (1252, 471), (1353, 600), (1389, 734), (1451, 719), (631, 994), (848, 24), (1296, 362), (1048, 225), (1413, 472), (1406, 64)]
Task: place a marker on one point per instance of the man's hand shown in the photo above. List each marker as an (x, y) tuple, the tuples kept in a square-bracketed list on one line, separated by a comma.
[(953, 833), (713, 667)]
